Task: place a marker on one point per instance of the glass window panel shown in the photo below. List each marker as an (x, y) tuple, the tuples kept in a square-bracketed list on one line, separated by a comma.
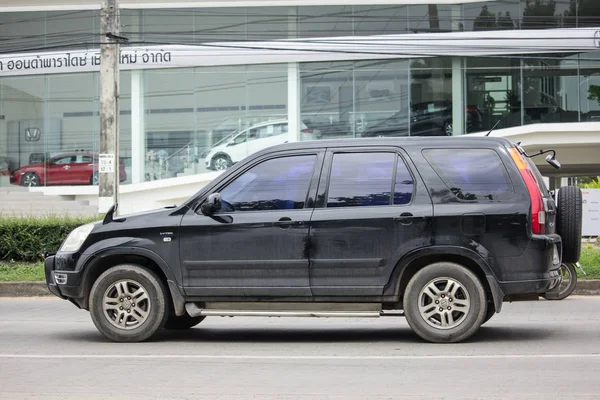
[(471, 174), (360, 179), (276, 184)]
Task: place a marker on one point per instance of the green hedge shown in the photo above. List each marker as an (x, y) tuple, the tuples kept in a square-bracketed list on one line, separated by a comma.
[(22, 239)]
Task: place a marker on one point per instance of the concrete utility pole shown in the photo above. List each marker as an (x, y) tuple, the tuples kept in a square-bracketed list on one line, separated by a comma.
[(108, 168)]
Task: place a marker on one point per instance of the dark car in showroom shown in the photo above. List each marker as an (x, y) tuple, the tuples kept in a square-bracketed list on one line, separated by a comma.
[(432, 118), (439, 230), (75, 168)]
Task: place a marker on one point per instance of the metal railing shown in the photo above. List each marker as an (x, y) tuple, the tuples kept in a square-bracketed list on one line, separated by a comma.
[(162, 167)]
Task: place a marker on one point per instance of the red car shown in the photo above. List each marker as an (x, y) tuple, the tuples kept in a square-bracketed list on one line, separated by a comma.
[(75, 168)]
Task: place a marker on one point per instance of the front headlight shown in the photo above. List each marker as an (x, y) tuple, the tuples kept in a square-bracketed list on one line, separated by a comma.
[(76, 238)]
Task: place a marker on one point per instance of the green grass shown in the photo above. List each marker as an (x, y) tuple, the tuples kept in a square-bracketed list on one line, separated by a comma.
[(22, 271), (13, 271), (590, 261)]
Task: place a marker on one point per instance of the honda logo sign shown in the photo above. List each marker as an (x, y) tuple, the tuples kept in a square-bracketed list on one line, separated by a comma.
[(32, 134)]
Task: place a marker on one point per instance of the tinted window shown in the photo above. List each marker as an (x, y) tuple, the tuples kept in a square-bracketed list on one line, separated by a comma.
[(361, 179), (471, 174), (404, 185), (84, 160), (277, 184), (63, 160)]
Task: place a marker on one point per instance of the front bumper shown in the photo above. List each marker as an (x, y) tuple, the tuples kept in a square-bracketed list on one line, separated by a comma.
[(61, 283)]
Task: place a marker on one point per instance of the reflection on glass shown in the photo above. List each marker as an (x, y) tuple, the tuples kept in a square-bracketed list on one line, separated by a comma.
[(360, 179), (471, 174), (277, 184)]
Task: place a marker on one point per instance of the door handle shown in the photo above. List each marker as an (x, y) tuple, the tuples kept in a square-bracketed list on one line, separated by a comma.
[(405, 218), (286, 222)]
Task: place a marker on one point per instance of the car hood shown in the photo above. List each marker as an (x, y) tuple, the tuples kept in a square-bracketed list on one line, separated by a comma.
[(32, 166), (217, 149)]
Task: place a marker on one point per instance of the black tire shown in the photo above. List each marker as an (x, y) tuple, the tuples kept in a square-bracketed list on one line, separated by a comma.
[(182, 322), (489, 313), (568, 222), (565, 287), (30, 179), (155, 303), (94, 178), (469, 318), (447, 129), (220, 162)]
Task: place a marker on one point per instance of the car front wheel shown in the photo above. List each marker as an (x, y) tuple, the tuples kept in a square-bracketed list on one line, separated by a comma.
[(221, 163), (128, 303), (445, 303), (30, 179)]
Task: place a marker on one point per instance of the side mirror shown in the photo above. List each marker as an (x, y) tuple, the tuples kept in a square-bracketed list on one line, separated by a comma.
[(212, 204), (553, 161)]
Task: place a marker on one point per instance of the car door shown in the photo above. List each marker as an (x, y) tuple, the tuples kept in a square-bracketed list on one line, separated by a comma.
[(59, 171), (81, 171), (359, 230), (257, 243)]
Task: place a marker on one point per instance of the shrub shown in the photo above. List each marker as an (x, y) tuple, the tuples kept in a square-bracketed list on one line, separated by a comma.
[(23, 238)]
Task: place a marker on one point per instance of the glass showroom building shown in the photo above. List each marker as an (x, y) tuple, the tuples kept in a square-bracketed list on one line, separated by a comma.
[(253, 73)]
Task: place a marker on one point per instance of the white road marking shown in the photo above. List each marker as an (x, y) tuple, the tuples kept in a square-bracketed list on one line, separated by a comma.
[(295, 357)]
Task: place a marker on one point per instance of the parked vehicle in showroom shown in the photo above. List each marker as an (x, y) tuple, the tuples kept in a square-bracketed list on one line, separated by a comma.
[(432, 118), (75, 168), (237, 146), (440, 230)]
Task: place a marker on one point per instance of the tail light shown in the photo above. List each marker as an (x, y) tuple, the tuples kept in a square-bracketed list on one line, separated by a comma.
[(307, 131), (471, 109), (538, 211)]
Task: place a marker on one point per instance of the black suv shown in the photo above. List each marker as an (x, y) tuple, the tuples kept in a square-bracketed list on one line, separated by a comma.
[(440, 230)]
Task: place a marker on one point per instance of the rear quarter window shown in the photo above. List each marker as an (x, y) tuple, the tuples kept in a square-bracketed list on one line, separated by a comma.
[(476, 175)]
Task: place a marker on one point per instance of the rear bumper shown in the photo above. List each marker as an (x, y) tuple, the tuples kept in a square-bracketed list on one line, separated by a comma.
[(538, 267)]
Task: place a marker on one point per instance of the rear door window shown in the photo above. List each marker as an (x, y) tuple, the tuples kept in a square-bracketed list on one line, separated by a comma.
[(367, 179), (471, 174)]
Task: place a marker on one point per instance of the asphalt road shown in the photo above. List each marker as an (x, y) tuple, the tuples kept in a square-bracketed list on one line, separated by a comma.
[(536, 350)]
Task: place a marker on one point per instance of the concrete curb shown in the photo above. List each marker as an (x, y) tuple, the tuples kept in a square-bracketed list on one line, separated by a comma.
[(23, 289), (588, 287), (32, 289)]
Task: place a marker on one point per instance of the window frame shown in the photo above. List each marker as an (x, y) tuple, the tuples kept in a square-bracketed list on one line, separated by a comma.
[(325, 180), (309, 201)]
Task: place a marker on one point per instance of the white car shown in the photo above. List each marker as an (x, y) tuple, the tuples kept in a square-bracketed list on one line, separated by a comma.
[(260, 136)]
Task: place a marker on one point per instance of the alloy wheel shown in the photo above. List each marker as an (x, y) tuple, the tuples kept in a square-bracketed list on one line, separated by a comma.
[(448, 129), (221, 164), (444, 303), (30, 180), (126, 304)]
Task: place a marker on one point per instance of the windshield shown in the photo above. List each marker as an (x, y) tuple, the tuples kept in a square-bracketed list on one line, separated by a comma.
[(226, 138)]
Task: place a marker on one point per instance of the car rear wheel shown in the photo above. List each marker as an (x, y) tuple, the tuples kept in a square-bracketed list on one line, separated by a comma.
[(568, 222), (489, 313), (30, 179), (182, 322), (94, 179), (445, 303), (447, 128), (128, 303), (221, 163)]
